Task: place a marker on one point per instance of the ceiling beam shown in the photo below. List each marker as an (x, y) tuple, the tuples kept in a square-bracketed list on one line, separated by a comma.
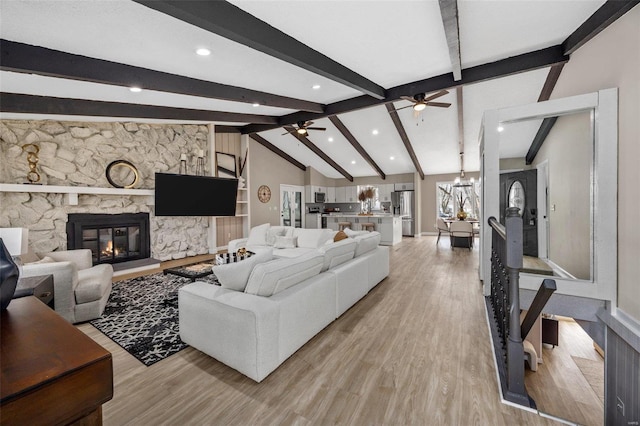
[(405, 139), (504, 67), (318, 152), (449, 12), (354, 142), (271, 147), (550, 82), (229, 21), (31, 104), (538, 140), (25, 58), (547, 123), (460, 125), (607, 14)]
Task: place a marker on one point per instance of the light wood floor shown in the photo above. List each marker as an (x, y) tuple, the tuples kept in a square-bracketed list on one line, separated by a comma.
[(559, 387), (414, 351)]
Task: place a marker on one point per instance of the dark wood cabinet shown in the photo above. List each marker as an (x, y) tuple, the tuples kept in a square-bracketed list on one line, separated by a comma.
[(52, 373)]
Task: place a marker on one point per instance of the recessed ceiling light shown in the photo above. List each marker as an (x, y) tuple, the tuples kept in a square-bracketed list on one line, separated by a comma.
[(392, 158), (315, 86), (203, 52), (500, 128), (375, 131), (353, 161), (135, 89), (255, 105), (330, 139)]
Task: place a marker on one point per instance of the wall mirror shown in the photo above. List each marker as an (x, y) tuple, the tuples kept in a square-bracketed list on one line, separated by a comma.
[(553, 191), (569, 202)]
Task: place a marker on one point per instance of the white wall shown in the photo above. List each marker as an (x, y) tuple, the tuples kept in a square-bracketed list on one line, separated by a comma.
[(612, 59)]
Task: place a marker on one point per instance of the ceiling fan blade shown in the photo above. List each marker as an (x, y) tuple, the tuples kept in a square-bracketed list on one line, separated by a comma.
[(436, 95), (289, 132), (439, 104), (316, 128), (308, 123), (407, 98)]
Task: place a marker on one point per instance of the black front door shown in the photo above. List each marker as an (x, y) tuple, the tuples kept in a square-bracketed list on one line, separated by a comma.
[(529, 181)]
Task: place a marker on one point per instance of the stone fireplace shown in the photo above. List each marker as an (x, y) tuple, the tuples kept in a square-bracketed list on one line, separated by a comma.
[(112, 238)]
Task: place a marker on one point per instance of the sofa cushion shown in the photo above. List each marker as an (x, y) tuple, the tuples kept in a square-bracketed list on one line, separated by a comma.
[(338, 253), (312, 238), (270, 278), (367, 242), (292, 252), (45, 259), (351, 233), (93, 283), (285, 242), (258, 235), (278, 231), (234, 276)]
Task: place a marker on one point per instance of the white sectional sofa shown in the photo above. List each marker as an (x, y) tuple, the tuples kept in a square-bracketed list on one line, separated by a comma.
[(286, 301)]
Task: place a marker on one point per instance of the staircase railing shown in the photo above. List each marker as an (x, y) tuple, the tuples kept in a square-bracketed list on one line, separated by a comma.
[(506, 263), (542, 297)]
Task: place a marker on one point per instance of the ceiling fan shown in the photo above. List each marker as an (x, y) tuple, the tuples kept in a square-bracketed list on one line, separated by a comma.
[(303, 126), (420, 101)]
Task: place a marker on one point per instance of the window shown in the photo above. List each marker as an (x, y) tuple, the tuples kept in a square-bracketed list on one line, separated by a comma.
[(451, 197)]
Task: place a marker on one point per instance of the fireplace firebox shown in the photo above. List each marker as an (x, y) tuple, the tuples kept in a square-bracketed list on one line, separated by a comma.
[(112, 238)]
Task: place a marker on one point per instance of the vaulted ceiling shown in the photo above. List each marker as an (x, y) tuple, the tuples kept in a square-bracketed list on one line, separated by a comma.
[(342, 64)]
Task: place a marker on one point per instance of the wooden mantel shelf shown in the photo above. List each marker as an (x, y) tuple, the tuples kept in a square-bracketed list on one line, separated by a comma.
[(58, 189)]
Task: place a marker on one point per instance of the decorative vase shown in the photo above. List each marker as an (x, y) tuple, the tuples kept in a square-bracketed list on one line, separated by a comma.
[(462, 215), (9, 274)]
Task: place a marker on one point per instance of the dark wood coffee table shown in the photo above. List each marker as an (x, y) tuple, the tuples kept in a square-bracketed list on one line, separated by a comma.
[(193, 272)]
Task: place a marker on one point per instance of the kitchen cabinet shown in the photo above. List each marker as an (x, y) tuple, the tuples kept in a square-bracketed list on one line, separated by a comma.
[(341, 194), (352, 194), (404, 186), (331, 195), (384, 191)]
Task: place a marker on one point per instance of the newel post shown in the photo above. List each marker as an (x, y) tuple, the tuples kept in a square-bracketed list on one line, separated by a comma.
[(515, 352)]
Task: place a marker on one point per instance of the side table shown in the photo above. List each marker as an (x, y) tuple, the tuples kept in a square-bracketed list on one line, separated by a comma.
[(40, 287)]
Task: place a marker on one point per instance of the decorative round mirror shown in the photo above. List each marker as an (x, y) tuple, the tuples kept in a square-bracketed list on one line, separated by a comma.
[(517, 196), (122, 174)]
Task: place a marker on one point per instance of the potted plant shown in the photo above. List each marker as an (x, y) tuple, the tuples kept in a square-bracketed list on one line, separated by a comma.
[(462, 199)]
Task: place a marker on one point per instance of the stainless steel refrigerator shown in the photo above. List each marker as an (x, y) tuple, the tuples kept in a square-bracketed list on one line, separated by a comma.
[(403, 203)]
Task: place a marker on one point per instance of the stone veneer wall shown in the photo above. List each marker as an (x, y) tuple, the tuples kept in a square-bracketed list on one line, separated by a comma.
[(77, 154)]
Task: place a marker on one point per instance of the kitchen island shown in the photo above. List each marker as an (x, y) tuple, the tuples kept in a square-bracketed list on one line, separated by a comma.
[(388, 225)]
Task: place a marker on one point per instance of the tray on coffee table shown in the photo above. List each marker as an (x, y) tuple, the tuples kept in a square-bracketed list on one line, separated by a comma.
[(193, 272)]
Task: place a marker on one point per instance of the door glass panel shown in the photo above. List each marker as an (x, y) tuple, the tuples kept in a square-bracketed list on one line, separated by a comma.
[(517, 196)]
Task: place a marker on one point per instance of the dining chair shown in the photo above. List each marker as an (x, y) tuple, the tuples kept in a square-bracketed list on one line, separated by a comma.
[(442, 228), (461, 229)]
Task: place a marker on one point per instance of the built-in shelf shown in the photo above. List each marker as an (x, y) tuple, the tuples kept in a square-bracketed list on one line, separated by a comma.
[(242, 202), (242, 215)]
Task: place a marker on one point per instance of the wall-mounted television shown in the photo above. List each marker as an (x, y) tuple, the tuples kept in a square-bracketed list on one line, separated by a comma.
[(185, 195)]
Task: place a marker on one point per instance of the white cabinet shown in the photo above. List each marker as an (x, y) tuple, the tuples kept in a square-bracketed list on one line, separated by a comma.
[(341, 194), (404, 186), (308, 194), (384, 191), (352, 194), (331, 195), (385, 228)]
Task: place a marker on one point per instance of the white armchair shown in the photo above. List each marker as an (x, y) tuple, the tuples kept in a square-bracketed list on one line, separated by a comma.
[(80, 290)]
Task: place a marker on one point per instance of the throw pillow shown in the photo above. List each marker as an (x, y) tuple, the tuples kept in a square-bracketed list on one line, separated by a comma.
[(273, 232), (258, 235), (234, 276), (285, 242), (340, 236)]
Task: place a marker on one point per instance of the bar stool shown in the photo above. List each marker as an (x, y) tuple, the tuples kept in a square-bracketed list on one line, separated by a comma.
[(342, 225), (368, 226)]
